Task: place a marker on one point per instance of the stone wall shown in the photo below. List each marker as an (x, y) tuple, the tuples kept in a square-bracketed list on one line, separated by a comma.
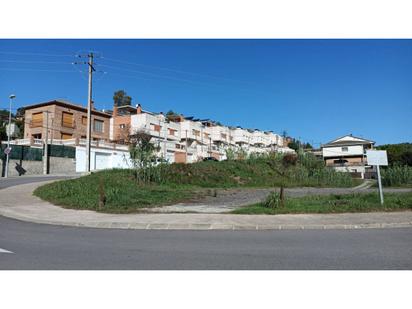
[(57, 165)]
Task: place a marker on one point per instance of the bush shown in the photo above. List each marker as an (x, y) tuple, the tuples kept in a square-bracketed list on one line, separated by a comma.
[(272, 200)]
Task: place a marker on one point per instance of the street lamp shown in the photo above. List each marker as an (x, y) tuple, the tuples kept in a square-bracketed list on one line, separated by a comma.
[(6, 174)]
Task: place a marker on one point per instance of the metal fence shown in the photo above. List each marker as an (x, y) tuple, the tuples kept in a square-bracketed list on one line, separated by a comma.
[(28, 153), (62, 151), (22, 153)]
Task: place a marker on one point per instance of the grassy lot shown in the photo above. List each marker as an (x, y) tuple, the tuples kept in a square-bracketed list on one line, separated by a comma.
[(334, 204), (180, 182), (252, 173), (122, 193)]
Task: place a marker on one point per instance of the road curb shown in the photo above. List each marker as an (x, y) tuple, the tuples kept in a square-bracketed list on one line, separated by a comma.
[(18, 203), (206, 227)]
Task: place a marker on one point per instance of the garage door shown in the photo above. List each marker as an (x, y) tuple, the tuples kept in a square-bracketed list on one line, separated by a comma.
[(180, 157), (102, 161)]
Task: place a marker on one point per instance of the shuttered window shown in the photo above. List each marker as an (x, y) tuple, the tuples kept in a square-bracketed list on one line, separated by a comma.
[(66, 136), (67, 120), (37, 119), (84, 120)]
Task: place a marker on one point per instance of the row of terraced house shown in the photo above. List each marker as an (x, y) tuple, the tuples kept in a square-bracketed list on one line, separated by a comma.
[(186, 139), (179, 139)]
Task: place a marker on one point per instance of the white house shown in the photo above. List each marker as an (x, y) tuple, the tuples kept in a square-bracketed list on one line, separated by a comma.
[(347, 154)]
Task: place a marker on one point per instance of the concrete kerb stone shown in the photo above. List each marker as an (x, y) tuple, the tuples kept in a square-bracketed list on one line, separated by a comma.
[(28, 210)]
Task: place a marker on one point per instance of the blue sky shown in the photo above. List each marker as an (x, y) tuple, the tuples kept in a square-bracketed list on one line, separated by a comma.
[(314, 89)]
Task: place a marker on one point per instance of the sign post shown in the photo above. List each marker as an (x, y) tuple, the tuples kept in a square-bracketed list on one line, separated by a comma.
[(378, 158)]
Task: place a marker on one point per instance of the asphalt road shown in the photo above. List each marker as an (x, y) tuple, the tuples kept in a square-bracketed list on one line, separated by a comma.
[(36, 246), (14, 181)]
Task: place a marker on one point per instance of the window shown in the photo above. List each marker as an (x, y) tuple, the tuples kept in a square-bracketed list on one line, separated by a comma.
[(37, 136), (67, 120), (67, 136), (98, 126), (155, 127), (196, 133), (84, 120), (122, 126), (344, 149), (37, 120), (172, 132), (223, 136), (340, 161)]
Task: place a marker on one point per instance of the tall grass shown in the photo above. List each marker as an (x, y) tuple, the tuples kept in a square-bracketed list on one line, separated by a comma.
[(256, 171), (397, 175)]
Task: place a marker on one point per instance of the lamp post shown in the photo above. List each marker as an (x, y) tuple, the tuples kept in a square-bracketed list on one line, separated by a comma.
[(6, 174)]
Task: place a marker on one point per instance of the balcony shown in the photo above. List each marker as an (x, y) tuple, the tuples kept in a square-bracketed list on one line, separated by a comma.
[(345, 164)]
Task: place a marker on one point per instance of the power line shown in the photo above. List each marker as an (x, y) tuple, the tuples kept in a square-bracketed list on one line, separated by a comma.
[(128, 76), (153, 74), (37, 62), (35, 70), (34, 54), (174, 70)]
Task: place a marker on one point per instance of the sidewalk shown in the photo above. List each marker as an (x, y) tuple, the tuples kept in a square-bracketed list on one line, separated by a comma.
[(18, 202)]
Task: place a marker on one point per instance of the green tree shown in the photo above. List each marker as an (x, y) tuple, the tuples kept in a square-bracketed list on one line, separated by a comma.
[(294, 144), (4, 120), (307, 146), (230, 154), (143, 157), (282, 167), (171, 114), (120, 98), (398, 154)]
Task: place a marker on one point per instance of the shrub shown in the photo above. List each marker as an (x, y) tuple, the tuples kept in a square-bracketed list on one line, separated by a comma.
[(272, 200)]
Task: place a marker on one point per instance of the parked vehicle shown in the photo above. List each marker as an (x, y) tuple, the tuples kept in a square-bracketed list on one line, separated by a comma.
[(210, 159)]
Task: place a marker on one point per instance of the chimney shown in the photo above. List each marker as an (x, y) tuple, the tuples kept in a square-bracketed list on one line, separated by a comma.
[(139, 108), (114, 114)]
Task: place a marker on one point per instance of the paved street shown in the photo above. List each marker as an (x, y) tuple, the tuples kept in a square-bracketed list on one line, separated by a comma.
[(14, 181), (35, 246)]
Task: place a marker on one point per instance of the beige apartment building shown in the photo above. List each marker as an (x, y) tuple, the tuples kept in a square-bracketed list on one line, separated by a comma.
[(64, 120)]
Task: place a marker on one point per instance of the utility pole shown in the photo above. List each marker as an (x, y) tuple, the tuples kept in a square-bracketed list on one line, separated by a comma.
[(89, 111), (90, 56), (46, 146), (6, 174), (186, 146)]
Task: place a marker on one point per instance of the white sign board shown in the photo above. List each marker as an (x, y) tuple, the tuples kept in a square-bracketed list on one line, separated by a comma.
[(7, 150), (377, 157), (14, 130)]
